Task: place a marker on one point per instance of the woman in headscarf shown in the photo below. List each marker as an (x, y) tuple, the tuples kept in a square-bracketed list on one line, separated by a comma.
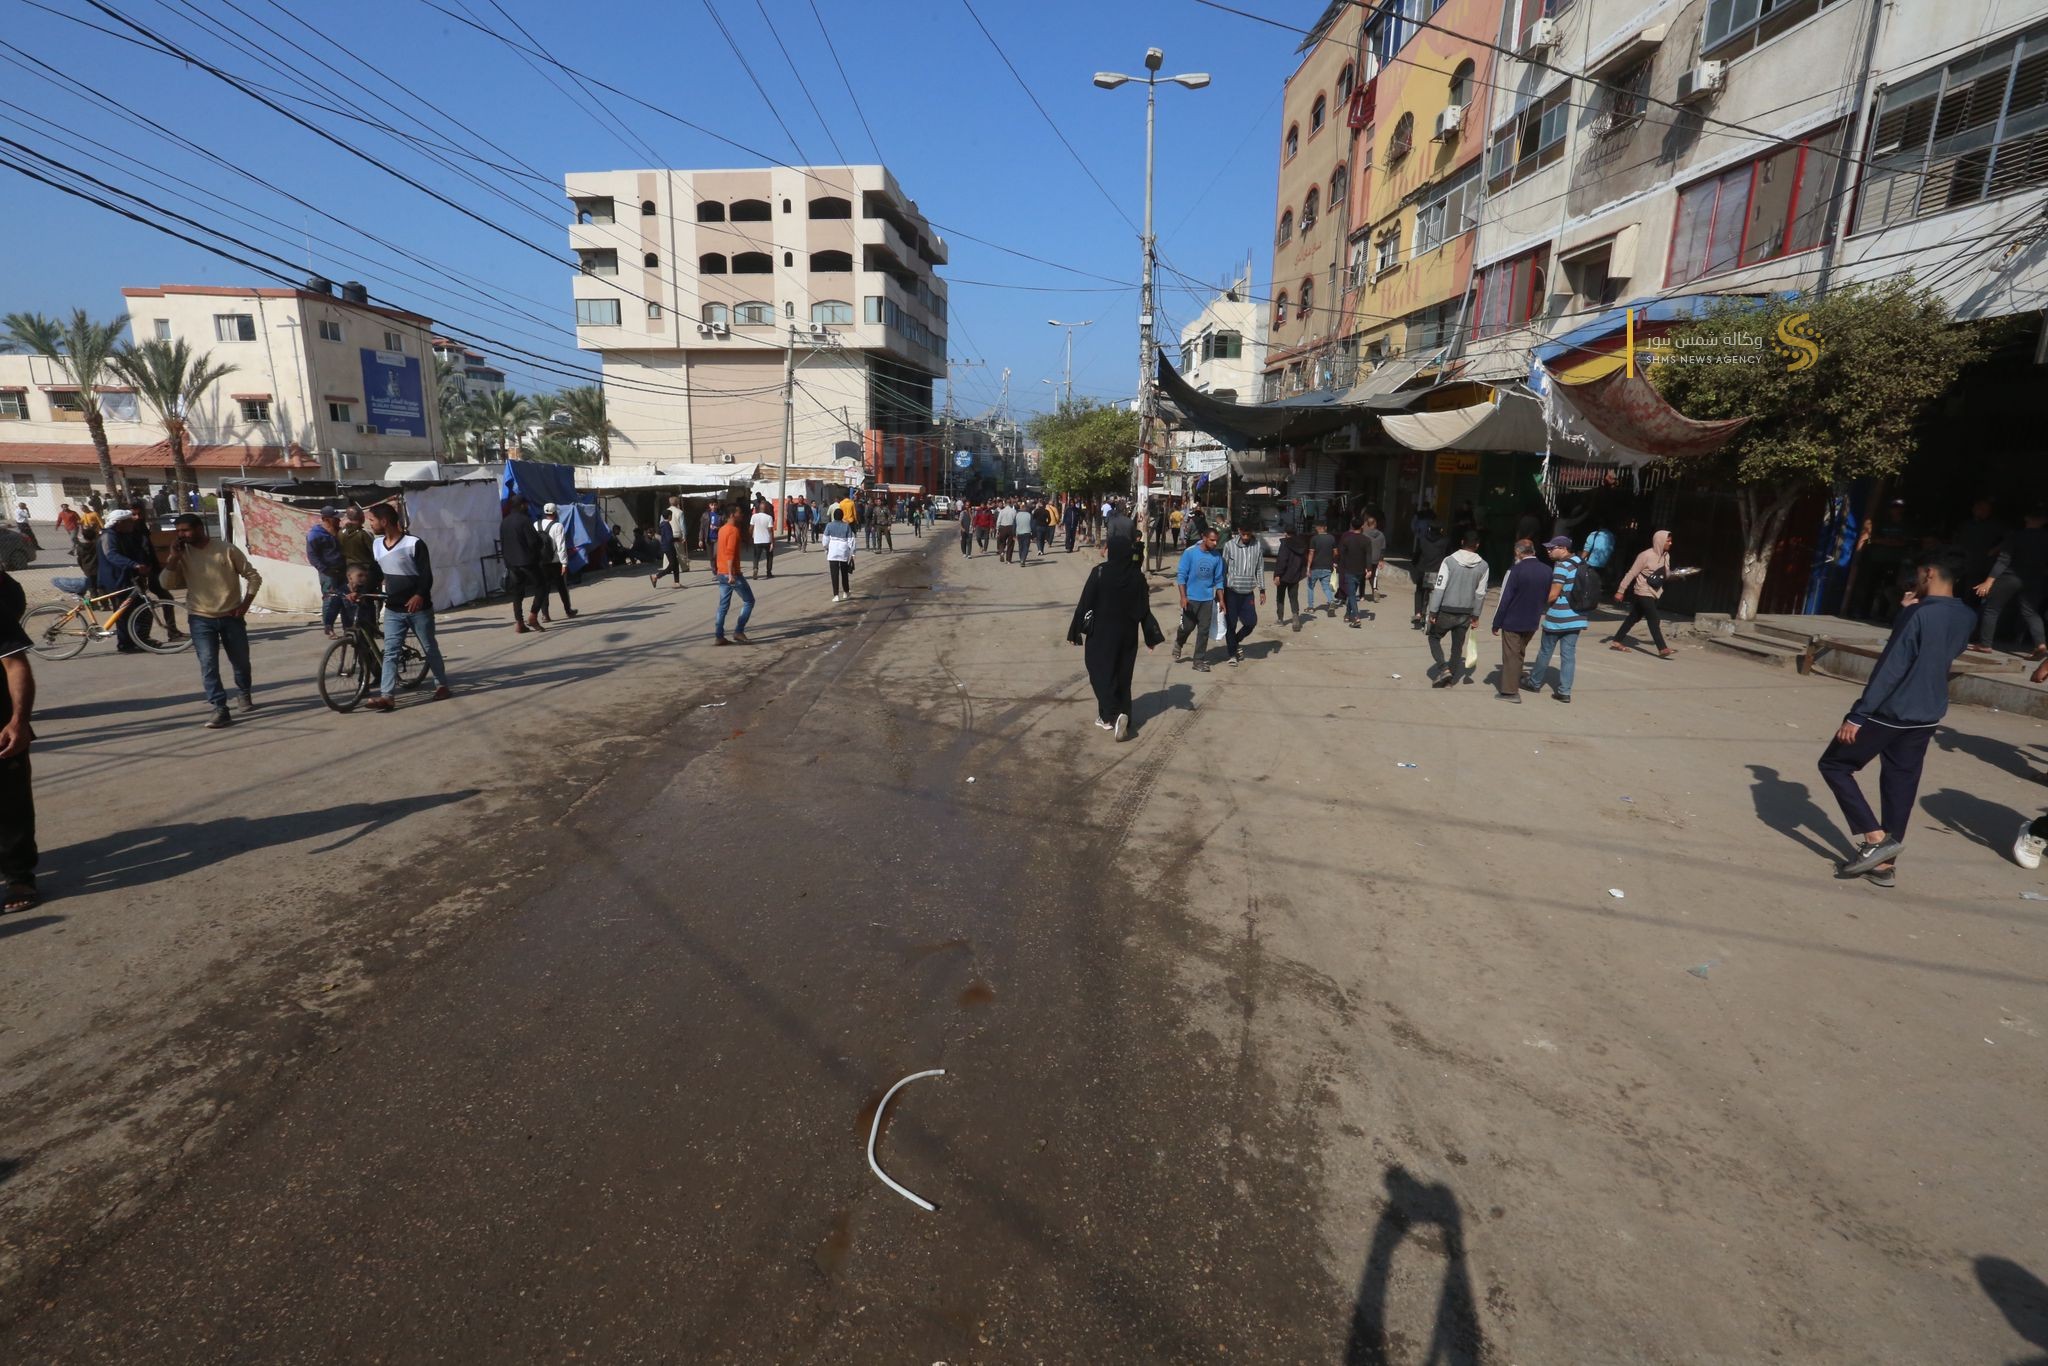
[(1641, 587), (1114, 612)]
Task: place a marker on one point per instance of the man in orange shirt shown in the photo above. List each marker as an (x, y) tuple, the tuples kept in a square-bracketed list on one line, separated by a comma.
[(726, 565)]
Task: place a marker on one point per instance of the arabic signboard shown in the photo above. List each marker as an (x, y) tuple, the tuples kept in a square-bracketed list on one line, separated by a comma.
[(392, 394)]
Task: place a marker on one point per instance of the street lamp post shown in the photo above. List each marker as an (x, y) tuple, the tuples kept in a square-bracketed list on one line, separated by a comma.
[(1110, 80), (1070, 352)]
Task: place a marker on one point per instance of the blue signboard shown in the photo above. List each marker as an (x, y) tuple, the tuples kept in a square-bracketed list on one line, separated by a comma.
[(962, 459), (392, 396)]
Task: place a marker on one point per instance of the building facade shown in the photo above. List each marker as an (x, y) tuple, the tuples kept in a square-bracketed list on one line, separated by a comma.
[(470, 374), (325, 384), (1223, 354), (695, 288)]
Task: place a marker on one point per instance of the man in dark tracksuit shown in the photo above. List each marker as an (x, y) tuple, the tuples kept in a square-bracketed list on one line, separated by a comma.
[(1905, 699), (521, 547)]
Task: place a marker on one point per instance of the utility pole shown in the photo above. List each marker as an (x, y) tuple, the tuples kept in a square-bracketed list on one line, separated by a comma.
[(951, 366), (1070, 353), (788, 430), (1147, 400)]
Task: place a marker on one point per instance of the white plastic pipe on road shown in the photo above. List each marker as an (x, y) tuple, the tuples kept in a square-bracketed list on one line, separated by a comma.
[(876, 1128)]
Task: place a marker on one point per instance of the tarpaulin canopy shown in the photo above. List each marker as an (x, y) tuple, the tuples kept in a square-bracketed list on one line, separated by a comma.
[(675, 478), (1512, 422), (1621, 419), (1298, 418), (542, 483)]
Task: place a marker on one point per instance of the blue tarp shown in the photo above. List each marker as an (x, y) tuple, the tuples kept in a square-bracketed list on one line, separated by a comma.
[(541, 483)]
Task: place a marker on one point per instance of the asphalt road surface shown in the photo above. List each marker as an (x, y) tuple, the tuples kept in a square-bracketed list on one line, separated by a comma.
[(548, 1023)]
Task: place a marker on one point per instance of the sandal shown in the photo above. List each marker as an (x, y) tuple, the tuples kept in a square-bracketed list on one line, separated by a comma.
[(21, 896)]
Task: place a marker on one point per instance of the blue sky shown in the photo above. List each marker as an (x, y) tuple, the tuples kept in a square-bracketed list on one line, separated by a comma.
[(951, 122)]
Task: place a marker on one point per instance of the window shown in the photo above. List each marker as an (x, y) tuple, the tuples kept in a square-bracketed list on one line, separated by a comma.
[(753, 263), (1529, 11), (1280, 309), (13, 405), (234, 327), (831, 262), (718, 315), (120, 407), (1389, 30), (163, 329), (789, 308), (1532, 140), (1592, 286), (255, 409), (831, 206), (1228, 346), (1309, 208), (65, 402), (651, 261), (1356, 270), (1756, 20), (1461, 82), (789, 258), (25, 484), (1317, 113), (1286, 233), (597, 312), (711, 263), (1307, 306), (1432, 328), (785, 206), (1450, 209), (1509, 293), (1386, 252), (600, 262), (754, 314), (653, 312), (1340, 185), (330, 330), (339, 412), (394, 341), (647, 208), (1627, 97), (594, 210), (1345, 78), (1976, 129), (1403, 139), (832, 311), (1293, 140), (751, 211), (1758, 211), (710, 211), (77, 486)]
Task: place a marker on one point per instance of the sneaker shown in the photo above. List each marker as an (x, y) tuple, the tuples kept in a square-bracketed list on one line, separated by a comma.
[(248, 702), (1560, 697), (1176, 652), (1101, 724), (572, 612), (381, 704), (1447, 681), (1237, 659), (1122, 726), (1870, 855), (1882, 877), (1470, 679), (221, 720), (1528, 684), (442, 693), (721, 641), (2027, 846), (1201, 666)]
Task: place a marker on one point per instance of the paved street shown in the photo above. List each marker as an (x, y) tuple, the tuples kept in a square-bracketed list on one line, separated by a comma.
[(547, 1023)]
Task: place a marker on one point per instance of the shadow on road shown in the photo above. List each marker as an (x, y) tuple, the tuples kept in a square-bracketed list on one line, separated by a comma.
[(1428, 1216), (2021, 1297), (1977, 820), (1789, 808), (23, 924), (1152, 705), (1997, 753), (135, 858)]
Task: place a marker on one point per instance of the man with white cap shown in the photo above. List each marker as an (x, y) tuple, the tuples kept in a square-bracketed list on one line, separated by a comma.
[(554, 567)]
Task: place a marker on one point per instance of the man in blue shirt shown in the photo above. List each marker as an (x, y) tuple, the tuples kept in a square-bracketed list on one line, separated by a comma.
[(1200, 581), (1524, 592), (323, 552), (1561, 625), (1892, 722)]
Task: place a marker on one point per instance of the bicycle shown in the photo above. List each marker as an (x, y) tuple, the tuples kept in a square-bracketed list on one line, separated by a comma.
[(353, 666), (61, 630)]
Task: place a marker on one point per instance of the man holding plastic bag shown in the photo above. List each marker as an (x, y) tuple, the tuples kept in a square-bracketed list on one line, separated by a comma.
[(1453, 606), (1200, 582)]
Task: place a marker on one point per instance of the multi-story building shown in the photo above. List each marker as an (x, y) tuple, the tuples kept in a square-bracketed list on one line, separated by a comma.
[(324, 384), (470, 374), (1222, 354), (697, 287)]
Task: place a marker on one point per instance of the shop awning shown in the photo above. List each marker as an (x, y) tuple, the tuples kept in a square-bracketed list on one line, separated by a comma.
[(1512, 422), (1299, 418), (1621, 419)]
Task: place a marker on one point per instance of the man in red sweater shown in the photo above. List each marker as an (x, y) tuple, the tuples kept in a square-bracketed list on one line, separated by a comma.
[(726, 565)]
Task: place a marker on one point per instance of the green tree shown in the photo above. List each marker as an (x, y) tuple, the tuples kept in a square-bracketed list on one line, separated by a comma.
[(589, 421), (86, 350), (1885, 353), (172, 381), (456, 430), (1087, 447), (499, 419)]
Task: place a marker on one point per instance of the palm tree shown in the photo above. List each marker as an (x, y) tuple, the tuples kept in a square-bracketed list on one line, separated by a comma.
[(589, 421), (499, 419), (85, 349), (172, 381)]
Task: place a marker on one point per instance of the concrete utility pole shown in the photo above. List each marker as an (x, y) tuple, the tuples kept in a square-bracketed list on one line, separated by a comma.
[(788, 430), (1147, 400), (1070, 353)]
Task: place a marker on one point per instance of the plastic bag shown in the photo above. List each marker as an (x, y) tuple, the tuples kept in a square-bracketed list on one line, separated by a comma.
[(1216, 623), (1471, 652)]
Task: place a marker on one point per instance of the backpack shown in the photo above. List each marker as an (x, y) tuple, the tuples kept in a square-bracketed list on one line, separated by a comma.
[(1599, 549), (1584, 594)]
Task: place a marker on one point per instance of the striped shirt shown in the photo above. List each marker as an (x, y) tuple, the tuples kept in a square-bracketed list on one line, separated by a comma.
[(1559, 616), (1244, 566)]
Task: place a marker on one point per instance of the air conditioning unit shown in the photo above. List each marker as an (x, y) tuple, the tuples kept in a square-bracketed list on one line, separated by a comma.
[(1449, 121), (1541, 36), (348, 462), (366, 429), (1705, 79), (721, 330), (704, 329)]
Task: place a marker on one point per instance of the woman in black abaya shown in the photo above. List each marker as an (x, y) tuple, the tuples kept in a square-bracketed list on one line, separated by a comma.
[(1115, 611)]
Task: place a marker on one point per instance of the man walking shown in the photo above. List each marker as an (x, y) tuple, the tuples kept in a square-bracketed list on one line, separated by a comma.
[(1563, 622), (1376, 554), (1453, 607), (966, 531), (323, 552), (1244, 573), (18, 856), (219, 584), (1070, 519), (1027, 533), (1524, 595), (1895, 718), (1006, 529), (1354, 563), (554, 561), (408, 603), (762, 524), (670, 565), (725, 564), (522, 548), (679, 527), (1322, 560), (1199, 580)]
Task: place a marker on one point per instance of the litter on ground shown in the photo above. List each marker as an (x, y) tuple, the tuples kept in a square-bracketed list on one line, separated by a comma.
[(876, 1128), (1699, 970), (1615, 892)]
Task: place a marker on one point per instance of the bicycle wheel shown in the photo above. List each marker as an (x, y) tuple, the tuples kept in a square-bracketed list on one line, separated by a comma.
[(56, 631), (344, 678), (412, 667), (153, 622)]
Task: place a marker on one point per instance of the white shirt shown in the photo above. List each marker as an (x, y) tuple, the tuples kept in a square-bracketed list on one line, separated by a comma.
[(764, 528), (558, 537), (396, 560)]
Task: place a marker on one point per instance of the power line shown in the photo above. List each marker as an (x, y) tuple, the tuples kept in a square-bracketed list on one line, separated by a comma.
[(802, 84), (745, 66), (843, 80)]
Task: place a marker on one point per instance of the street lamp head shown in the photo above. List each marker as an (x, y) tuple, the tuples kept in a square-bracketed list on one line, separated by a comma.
[(1109, 80), (1194, 80), (1154, 58)]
